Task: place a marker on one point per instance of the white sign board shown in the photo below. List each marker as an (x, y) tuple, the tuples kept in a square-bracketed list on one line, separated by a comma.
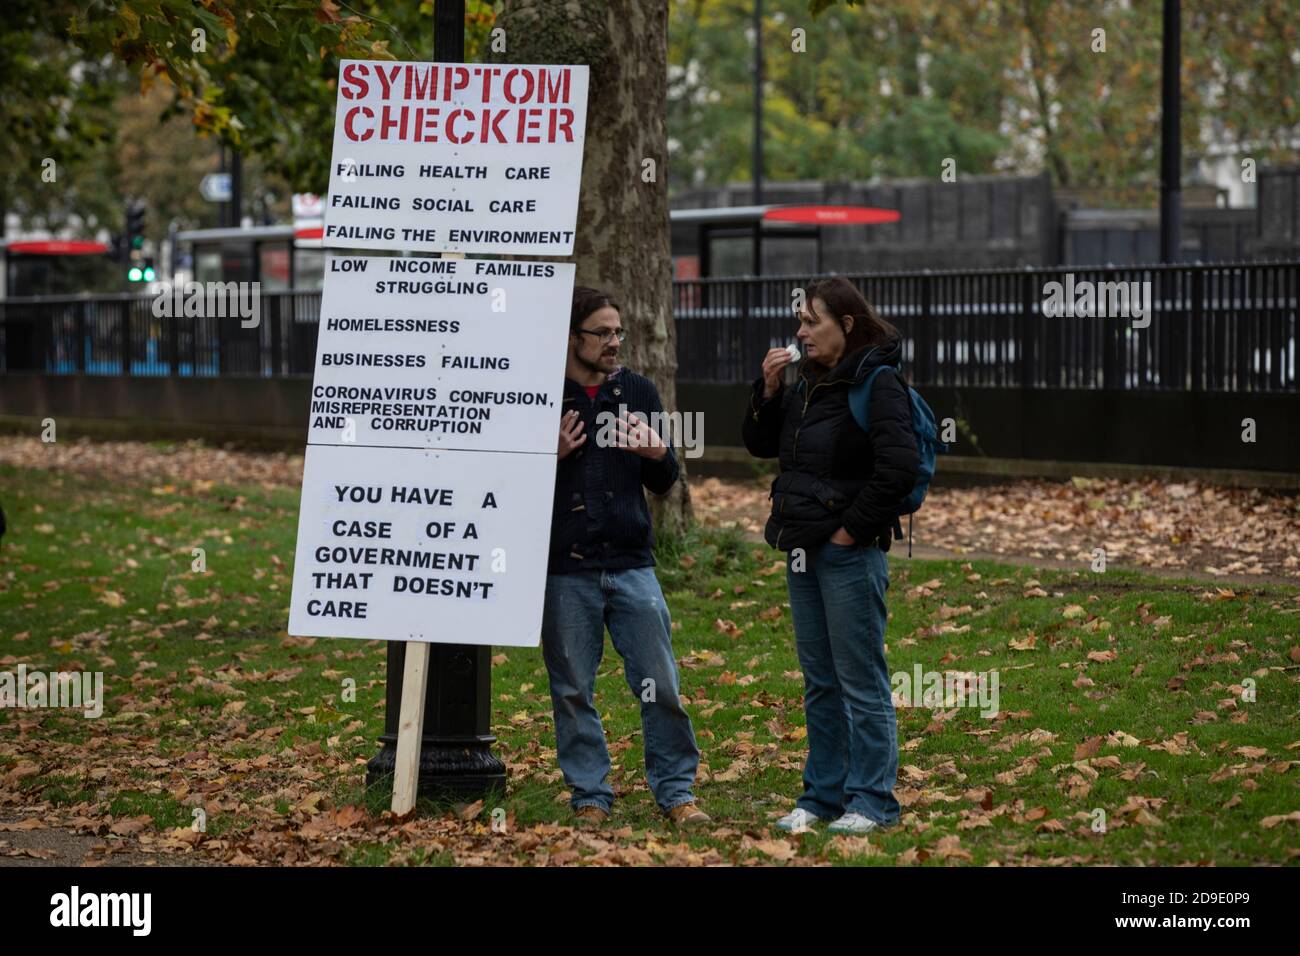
[(308, 220), (441, 353), (306, 206), (216, 187), (437, 546), (430, 468), (456, 157)]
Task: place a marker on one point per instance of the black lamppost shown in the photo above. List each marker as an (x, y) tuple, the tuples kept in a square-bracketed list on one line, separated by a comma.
[(456, 759), (757, 161), (756, 249), (1171, 147)]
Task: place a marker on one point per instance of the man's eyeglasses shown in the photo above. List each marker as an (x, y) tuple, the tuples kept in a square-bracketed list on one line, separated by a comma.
[(606, 335)]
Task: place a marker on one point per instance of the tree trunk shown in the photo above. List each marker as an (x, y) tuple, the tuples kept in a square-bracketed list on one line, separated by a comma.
[(622, 243)]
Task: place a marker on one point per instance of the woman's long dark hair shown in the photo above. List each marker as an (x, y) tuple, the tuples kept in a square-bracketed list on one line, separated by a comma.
[(843, 298)]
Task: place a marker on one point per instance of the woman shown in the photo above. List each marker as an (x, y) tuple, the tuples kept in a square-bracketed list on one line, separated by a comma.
[(835, 503)]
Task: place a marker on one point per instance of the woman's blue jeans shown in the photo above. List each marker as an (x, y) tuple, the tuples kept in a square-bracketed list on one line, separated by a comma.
[(838, 605), (579, 606)]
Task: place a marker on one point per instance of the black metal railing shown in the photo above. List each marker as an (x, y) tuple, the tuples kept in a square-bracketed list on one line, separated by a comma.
[(1219, 326), (125, 335)]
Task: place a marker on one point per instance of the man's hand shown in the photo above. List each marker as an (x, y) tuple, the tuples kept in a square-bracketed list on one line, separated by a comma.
[(571, 435), (633, 434), (842, 537), (775, 360)]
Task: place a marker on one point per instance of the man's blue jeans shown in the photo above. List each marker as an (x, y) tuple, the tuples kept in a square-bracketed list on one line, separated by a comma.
[(579, 607), (838, 606)]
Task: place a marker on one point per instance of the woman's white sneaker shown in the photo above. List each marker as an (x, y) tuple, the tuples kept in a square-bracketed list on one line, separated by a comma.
[(854, 823), (798, 820)]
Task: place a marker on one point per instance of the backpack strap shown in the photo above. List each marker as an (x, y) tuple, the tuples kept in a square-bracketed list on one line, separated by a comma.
[(860, 396), (860, 406)]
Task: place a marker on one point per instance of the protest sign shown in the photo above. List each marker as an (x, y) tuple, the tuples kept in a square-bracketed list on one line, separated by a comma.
[(427, 484)]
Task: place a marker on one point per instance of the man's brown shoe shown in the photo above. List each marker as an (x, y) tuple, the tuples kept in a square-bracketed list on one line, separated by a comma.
[(591, 816), (688, 815)]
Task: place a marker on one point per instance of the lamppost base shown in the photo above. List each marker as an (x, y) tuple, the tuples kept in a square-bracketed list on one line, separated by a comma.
[(450, 769)]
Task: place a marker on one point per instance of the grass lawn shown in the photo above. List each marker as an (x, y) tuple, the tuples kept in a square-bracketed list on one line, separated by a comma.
[(1125, 734)]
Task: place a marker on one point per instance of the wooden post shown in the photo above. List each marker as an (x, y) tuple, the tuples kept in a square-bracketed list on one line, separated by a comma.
[(410, 728)]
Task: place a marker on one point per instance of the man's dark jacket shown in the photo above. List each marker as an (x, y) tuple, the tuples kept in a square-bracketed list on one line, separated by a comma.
[(600, 520), (832, 472)]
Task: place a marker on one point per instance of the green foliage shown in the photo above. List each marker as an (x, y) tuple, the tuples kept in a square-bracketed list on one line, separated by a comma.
[(131, 103), (894, 87), (844, 97), (54, 106), (884, 89)]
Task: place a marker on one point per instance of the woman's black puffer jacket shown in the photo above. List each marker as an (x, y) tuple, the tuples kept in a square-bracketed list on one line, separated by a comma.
[(832, 472)]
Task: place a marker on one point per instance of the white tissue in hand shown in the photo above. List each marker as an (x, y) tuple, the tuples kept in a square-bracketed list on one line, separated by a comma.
[(794, 352)]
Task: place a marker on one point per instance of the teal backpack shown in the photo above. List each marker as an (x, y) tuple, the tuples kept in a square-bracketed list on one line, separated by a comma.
[(924, 427)]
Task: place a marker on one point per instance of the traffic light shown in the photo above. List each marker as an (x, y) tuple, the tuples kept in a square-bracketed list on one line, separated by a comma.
[(133, 243), (135, 226)]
